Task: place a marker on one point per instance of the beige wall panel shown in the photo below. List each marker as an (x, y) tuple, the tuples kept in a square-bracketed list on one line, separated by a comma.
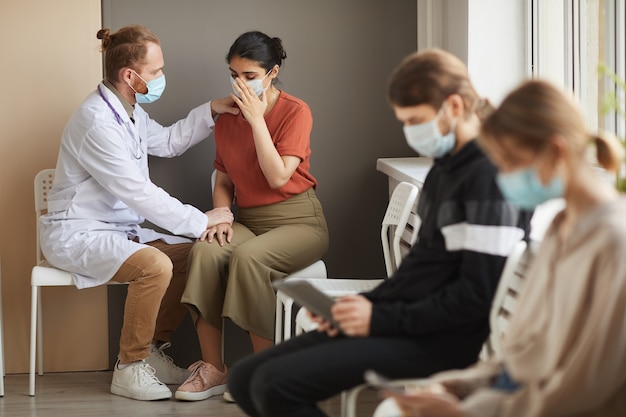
[(50, 62)]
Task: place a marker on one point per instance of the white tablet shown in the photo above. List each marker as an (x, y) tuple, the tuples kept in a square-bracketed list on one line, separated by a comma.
[(306, 295)]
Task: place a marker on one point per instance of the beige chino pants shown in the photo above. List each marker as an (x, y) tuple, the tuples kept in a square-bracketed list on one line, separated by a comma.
[(156, 279)]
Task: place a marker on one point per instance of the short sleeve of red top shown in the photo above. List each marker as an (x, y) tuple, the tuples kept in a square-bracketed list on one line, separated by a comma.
[(289, 123)]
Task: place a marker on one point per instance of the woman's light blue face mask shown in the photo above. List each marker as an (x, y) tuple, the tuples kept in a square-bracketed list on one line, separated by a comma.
[(524, 188), (427, 140)]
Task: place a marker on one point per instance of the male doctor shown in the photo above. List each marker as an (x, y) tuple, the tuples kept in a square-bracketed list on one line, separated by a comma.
[(102, 193)]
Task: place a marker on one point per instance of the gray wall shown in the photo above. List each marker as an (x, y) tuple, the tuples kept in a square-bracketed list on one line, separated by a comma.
[(340, 54)]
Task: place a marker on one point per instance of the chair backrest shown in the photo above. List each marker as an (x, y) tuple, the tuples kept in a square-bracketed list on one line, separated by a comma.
[(395, 225), (213, 177), (506, 297), (43, 185)]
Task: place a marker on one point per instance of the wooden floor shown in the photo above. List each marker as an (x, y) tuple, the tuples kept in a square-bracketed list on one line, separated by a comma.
[(86, 394)]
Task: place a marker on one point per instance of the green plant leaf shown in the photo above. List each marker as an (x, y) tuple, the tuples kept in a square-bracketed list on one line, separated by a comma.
[(613, 102)]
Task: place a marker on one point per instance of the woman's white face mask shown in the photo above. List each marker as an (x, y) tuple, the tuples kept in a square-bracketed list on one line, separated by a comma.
[(256, 85)]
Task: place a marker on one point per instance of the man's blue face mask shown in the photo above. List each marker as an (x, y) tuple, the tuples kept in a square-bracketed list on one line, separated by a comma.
[(155, 89), (427, 140)]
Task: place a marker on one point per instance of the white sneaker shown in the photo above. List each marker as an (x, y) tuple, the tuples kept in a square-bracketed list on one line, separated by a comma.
[(164, 366), (137, 381), (228, 397)]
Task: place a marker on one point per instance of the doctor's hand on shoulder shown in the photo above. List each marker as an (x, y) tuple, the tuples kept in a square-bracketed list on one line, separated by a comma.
[(223, 105)]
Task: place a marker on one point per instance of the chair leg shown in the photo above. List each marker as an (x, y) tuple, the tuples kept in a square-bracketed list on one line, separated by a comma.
[(278, 331), (349, 400), (299, 329), (344, 403), (287, 307), (33, 338), (39, 331)]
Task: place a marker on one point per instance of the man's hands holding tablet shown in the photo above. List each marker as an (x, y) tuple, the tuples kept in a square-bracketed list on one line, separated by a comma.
[(352, 315)]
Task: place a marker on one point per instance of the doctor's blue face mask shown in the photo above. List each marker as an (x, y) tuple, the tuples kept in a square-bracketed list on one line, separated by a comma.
[(427, 140), (155, 89)]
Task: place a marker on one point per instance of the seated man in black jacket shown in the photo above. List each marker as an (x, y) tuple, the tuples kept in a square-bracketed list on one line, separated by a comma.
[(433, 313)]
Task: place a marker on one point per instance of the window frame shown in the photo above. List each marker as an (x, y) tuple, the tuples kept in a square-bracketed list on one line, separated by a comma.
[(561, 25)]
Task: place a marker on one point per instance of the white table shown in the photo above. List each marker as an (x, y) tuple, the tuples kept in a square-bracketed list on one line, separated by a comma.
[(411, 170)]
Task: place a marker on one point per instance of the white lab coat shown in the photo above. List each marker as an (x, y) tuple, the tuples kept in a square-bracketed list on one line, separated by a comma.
[(102, 190)]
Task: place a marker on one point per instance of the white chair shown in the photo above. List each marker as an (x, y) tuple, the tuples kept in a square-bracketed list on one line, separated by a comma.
[(315, 270), (42, 275), (502, 309), (395, 228), (505, 300)]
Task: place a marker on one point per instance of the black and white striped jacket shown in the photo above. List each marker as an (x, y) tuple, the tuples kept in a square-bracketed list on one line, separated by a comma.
[(443, 290)]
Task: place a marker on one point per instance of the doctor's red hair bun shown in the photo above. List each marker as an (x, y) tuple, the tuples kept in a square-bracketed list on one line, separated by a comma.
[(106, 39)]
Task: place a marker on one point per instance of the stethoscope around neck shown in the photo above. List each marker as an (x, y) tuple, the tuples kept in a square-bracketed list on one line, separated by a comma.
[(140, 152)]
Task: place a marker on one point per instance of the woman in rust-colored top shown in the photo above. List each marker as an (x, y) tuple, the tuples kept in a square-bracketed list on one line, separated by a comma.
[(263, 153)]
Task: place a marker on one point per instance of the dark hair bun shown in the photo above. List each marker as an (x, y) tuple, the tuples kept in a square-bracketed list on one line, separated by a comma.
[(279, 49)]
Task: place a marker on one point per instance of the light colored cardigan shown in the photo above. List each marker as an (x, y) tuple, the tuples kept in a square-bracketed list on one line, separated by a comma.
[(566, 344)]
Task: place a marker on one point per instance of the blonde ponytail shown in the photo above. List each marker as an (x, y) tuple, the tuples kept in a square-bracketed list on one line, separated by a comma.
[(609, 151)]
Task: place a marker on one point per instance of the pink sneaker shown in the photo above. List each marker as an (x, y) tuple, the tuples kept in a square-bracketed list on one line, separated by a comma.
[(204, 382)]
